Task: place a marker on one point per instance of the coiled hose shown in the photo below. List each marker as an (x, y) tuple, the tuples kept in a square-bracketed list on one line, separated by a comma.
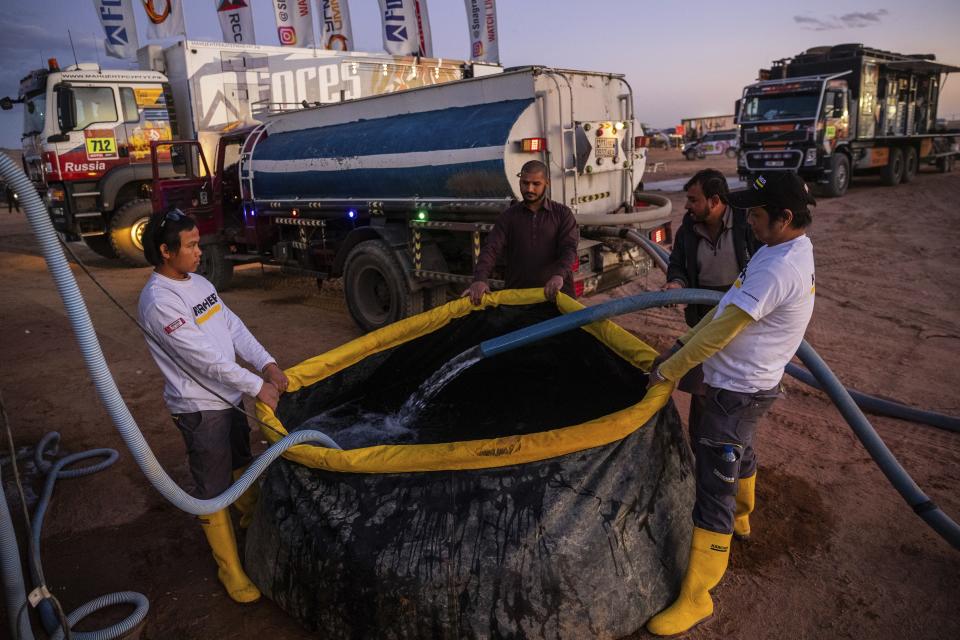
[(895, 473)]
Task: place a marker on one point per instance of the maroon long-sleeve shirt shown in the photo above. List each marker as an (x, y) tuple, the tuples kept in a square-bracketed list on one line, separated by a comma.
[(535, 246)]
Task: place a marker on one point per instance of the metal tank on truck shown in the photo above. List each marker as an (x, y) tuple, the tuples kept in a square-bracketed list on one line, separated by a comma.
[(836, 111), (393, 193)]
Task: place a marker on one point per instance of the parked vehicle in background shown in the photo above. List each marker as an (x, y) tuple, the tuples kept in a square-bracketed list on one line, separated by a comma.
[(393, 194), (836, 111), (712, 144)]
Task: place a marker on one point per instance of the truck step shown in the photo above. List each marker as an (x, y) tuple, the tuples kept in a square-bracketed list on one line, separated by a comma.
[(242, 258)]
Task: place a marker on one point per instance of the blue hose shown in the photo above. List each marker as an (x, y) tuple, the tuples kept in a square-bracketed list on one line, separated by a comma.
[(895, 473), (873, 404)]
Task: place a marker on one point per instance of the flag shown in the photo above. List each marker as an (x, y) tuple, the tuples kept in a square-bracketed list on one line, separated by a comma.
[(236, 21), (119, 27), (482, 24), (423, 27), (164, 19), (294, 24), (401, 37), (335, 30)]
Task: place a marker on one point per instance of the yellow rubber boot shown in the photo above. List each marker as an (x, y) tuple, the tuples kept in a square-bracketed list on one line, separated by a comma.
[(246, 504), (219, 532), (746, 500), (709, 553)]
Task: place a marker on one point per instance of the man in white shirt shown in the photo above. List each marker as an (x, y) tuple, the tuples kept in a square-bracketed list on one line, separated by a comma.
[(187, 322), (744, 344)]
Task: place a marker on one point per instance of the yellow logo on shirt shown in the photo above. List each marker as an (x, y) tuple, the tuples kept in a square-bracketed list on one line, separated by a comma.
[(209, 313)]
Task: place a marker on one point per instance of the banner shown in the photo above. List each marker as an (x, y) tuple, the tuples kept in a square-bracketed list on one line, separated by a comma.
[(294, 24), (401, 37), (482, 24), (119, 27), (236, 21), (164, 19), (423, 27), (335, 30)]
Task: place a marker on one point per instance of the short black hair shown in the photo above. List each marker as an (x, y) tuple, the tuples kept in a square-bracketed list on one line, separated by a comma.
[(164, 228), (712, 183), (802, 218), (535, 166)]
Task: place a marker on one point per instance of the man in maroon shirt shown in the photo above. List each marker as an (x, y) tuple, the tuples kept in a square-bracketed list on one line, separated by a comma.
[(538, 238)]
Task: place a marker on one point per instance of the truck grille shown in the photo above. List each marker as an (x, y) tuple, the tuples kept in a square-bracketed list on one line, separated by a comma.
[(753, 137)]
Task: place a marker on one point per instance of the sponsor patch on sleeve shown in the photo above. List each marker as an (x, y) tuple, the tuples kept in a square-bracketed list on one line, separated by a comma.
[(173, 326)]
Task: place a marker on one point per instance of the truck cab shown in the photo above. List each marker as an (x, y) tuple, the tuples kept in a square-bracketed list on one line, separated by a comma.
[(86, 147)]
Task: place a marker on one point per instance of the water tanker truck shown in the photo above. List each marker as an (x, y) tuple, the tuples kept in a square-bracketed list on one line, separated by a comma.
[(836, 111), (394, 193)]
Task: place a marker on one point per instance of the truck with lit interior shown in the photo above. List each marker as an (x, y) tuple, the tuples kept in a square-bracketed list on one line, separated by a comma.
[(393, 194), (833, 112), (87, 130)]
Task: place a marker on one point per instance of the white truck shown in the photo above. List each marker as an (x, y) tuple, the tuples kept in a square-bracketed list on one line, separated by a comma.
[(87, 131)]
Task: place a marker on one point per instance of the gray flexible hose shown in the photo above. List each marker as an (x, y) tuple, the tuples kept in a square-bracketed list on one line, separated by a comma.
[(59, 268), (14, 593)]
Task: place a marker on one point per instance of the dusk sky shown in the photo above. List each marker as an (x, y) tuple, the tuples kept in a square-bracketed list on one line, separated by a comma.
[(683, 59)]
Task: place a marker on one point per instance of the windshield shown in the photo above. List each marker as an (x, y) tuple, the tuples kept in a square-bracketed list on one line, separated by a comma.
[(94, 104), (780, 107), (34, 112)]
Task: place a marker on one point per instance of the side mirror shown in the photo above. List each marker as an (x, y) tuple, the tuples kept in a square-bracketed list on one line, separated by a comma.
[(736, 112), (838, 105), (66, 108), (6, 103)]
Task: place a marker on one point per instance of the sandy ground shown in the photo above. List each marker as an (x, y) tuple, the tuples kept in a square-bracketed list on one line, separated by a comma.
[(836, 553)]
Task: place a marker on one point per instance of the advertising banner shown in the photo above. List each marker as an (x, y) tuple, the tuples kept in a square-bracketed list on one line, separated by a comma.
[(482, 24), (294, 23), (164, 19), (423, 27), (336, 32), (401, 36), (119, 27), (236, 21)]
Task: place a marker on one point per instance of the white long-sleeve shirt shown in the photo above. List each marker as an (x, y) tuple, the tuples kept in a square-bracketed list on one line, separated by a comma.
[(193, 324)]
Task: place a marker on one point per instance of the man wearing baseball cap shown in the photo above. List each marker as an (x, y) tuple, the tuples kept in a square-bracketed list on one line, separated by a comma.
[(744, 344)]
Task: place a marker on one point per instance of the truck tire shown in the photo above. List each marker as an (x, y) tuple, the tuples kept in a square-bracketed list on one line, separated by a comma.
[(945, 164), (690, 155), (375, 287), (126, 231), (839, 177), (101, 246), (910, 161), (892, 173), (215, 267)]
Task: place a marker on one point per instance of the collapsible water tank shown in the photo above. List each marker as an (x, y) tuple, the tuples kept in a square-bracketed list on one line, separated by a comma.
[(539, 494)]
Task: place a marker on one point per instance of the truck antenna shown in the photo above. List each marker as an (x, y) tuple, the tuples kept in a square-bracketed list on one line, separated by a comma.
[(96, 51), (73, 48)]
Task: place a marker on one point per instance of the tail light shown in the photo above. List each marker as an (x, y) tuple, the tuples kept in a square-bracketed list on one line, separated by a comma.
[(533, 145), (578, 289), (641, 141), (659, 235), (576, 264)]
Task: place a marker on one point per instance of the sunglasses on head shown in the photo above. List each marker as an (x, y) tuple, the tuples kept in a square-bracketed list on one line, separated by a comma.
[(174, 216)]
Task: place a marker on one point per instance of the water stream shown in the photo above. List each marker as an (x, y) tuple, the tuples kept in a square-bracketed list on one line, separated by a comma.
[(370, 428)]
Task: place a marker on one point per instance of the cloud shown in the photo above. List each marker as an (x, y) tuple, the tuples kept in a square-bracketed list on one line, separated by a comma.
[(853, 20)]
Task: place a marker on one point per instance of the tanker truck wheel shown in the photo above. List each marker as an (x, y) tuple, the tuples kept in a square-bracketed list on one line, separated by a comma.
[(126, 231), (892, 173), (375, 287), (215, 267)]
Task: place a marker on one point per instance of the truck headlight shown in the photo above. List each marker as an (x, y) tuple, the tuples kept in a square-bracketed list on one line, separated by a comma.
[(810, 158)]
